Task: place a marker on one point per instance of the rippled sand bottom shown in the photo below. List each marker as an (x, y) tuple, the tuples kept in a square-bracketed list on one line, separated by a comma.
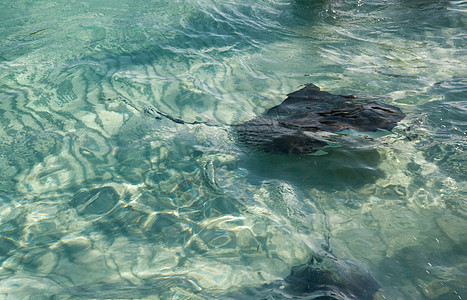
[(103, 197)]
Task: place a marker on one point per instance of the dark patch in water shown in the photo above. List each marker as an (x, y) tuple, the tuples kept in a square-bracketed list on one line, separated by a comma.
[(296, 126), (326, 277)]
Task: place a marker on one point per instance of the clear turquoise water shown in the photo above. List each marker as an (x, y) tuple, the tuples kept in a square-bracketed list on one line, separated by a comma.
[(99, 199)]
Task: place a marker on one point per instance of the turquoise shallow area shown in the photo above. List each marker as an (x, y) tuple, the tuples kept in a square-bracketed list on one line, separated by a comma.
[(102, 198)]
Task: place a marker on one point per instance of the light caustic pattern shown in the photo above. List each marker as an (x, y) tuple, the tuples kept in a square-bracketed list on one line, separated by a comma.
[(100, 196)]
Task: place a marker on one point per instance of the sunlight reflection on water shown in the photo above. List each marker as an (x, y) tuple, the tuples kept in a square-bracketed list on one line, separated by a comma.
[(99, 198)]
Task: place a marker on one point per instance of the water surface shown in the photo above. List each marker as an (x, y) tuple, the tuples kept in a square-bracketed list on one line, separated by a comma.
[(99, 198)]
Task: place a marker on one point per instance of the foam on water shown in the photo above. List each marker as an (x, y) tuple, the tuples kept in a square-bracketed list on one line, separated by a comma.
[(99, 198)]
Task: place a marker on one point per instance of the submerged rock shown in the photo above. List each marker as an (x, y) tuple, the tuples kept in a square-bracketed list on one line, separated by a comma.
[(326, 277), (302, 123)]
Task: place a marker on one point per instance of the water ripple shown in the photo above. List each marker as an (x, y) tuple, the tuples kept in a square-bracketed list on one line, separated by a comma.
[(101, 198)]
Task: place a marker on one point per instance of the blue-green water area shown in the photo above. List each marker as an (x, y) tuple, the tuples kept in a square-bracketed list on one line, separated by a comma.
[(102, 197)]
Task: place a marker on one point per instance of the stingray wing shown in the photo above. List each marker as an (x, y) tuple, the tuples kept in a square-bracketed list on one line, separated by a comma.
[(313, 109)]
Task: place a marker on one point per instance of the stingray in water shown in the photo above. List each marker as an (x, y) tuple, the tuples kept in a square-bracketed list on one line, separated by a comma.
[(302, 123), (307, 120)]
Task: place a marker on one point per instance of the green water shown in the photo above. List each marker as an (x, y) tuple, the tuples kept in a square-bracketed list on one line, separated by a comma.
[(101, 199)]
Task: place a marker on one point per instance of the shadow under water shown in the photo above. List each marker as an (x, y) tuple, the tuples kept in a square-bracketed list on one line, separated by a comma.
[(340, 169)]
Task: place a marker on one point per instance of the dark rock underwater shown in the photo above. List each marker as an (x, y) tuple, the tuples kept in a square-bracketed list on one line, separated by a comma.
[(324, 277)]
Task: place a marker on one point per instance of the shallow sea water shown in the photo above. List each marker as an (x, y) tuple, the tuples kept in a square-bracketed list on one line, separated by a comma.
[(99, 198)]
